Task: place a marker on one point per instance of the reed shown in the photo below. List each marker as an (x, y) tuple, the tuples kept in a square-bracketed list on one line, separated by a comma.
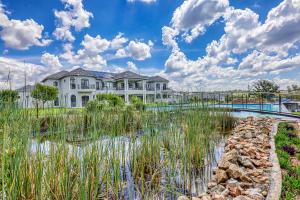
[(114, 153)]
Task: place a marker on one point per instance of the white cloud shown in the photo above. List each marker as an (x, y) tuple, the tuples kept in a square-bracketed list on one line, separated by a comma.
[(89, 56), (193, 16), (118, 41), (51, 61), (18, 69), (75, 16), (131, 66), (18, 34), (248, 50), (136, 50)]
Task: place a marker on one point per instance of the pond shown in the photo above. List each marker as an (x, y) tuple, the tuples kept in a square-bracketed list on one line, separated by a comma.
[(174, 181)]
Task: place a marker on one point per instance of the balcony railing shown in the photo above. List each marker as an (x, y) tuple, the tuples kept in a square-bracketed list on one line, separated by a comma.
[(86, 87)]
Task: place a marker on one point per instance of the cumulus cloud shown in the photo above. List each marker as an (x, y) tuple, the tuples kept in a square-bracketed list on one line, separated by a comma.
[(193, 16), (136, 50), (119, 41), (51, 61), (17, 69), (74, 16), (21, 34), (248, 49)]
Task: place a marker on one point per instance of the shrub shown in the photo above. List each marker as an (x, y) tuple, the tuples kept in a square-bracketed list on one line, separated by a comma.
[(289, 149), (112, 99), (95, 105), (137, 103)]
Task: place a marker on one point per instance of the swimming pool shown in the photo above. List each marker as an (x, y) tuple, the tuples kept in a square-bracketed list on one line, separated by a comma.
[(265, 107)]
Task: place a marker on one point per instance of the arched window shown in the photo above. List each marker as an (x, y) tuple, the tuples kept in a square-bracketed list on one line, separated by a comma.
[(73, 101), (164, 86), (72, 83)]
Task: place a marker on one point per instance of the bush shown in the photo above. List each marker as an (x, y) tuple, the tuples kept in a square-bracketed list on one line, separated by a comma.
[(137, 103), (112, 99), (96, 105)]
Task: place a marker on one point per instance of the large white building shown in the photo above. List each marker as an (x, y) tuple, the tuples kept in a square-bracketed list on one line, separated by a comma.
[(78, 86)]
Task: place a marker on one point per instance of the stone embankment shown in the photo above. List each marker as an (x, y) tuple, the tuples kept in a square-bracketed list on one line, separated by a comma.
[(245, 170)]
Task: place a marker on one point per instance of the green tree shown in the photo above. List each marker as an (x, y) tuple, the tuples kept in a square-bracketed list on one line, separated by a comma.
[(265, 87), (8, 97), (44, 93)]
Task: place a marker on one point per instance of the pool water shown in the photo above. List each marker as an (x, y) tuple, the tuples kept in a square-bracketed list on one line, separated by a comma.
[(265, 107)]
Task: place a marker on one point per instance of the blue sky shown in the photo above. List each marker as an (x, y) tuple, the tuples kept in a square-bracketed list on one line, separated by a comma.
[(196, 44)]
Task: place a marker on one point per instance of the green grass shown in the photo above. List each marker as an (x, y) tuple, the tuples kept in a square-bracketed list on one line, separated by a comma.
[(291, 179), (296, 113)]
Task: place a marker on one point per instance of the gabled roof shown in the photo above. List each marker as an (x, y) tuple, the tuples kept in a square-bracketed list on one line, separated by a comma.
[(129, 75), (56, 76), (157, 79), (104, 75)]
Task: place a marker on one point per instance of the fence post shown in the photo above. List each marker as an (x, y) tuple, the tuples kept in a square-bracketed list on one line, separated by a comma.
[(279, 103)]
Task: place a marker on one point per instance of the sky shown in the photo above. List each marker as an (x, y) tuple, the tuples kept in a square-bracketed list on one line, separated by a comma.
[(197, 44)]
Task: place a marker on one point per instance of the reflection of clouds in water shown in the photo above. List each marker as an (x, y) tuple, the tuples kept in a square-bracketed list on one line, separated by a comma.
[(123, 146)]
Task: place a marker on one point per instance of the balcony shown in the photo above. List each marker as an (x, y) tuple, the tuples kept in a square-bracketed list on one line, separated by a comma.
[(86, 88)]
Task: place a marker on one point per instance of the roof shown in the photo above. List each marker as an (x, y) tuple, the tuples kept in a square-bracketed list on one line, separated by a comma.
[(129, 75), (27, 88), (103, 75), (157, 79), (56, 76)]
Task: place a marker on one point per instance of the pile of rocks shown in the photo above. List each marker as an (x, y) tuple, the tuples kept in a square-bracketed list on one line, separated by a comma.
[(244, 169)]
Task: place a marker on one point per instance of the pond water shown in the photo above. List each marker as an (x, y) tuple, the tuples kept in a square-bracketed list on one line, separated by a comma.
[(198, 179)]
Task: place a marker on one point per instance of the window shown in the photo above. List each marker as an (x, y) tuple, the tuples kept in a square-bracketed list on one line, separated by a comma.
[(72, 83), (97, 85), (158, 96), (56, 102), (157, 86), (84, 84), (164, 86), (55, 83), (73, 101), (165, 96)]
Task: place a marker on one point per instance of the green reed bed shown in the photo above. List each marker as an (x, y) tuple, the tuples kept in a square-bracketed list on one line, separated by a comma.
[(114, 153)]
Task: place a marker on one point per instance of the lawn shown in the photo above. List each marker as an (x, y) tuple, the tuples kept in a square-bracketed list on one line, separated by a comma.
[(287, 149)]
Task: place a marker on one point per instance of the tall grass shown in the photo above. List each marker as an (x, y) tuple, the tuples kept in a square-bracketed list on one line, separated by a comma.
[(112, 153)]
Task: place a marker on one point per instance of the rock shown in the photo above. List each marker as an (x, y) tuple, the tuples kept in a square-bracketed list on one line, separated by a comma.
[(246, 162), (235, 190), (196, 198), (211, 184), (264, 193), (241, 197), (218, 189), (183, 198), (218, 197), (221, 176), (246, 178), (255, 193), (228, 158), (206, 197), (234, 171)]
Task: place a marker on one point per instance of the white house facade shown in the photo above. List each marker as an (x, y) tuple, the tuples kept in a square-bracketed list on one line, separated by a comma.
[(79, 86)]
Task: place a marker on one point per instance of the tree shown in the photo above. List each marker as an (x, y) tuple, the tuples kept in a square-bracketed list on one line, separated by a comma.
[(265, 86), (44, 93), (8, 97)]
